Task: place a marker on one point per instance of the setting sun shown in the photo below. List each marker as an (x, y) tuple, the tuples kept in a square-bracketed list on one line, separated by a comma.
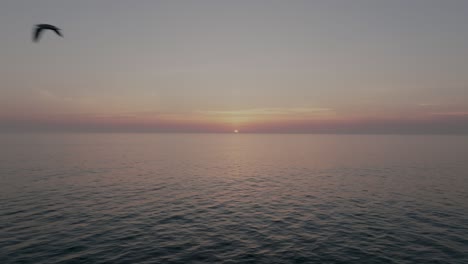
[(236, 131)]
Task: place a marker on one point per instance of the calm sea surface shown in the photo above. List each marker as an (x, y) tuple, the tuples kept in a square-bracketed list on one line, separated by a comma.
[(203, 198)]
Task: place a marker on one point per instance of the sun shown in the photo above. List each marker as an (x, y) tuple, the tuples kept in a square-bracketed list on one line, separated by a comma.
[(236, 131)]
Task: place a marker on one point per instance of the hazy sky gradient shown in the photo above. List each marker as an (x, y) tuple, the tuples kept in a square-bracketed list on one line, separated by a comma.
[(361, 66)]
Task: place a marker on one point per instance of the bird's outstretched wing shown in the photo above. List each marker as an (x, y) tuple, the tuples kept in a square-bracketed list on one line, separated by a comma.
[(37, 34), (58, 32)]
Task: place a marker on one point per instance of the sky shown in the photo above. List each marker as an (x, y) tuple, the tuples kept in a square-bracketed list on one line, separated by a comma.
[(258, 66)]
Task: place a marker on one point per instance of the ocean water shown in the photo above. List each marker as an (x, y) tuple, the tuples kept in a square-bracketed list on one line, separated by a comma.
[(210, 198)]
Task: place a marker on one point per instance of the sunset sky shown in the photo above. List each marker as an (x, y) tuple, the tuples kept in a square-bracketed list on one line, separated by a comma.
[(329, 66)]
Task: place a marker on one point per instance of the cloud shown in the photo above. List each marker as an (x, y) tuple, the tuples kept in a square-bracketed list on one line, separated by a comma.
[(428, 104), (49, 95), (450, 113), (302, 111)]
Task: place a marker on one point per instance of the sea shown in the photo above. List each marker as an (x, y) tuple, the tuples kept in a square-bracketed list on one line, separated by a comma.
[(233, 198)]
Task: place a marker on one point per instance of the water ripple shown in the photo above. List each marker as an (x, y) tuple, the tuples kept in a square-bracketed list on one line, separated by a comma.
[(250, 206)]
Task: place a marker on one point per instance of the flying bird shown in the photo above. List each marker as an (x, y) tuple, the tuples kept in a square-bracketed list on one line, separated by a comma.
[(41, 27)]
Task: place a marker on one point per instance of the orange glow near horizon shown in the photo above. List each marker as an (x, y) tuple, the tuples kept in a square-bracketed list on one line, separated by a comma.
[(265, 120)]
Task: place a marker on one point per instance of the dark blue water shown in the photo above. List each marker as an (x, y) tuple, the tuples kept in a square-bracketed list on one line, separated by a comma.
[(160, 198)]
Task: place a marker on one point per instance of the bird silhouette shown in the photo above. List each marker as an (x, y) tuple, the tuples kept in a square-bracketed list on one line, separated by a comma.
[(37, 32)]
